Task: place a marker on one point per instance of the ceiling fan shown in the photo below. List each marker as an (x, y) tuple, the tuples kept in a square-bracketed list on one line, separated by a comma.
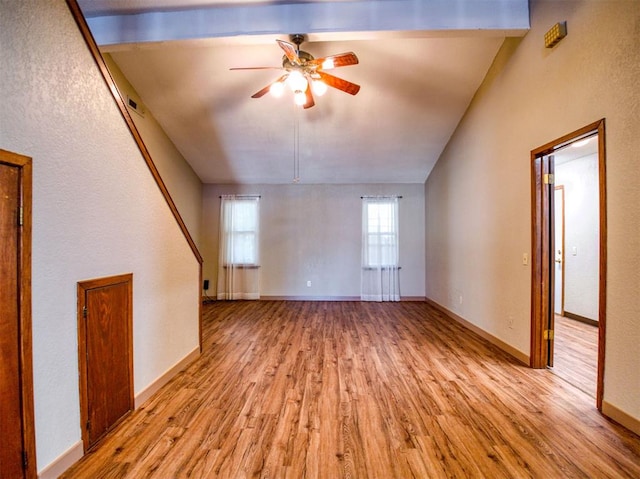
[(304, 73)]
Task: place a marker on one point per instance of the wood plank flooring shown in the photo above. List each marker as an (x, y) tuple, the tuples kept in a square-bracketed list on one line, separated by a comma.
[(575, 357), (359, 390)]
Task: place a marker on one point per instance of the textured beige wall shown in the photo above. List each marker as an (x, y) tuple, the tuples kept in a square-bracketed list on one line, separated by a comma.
[(183, 184), (96, 212), (478, 205), (313, 233)]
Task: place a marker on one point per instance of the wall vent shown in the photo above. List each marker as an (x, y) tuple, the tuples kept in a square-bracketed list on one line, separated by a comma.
[(135, 106)]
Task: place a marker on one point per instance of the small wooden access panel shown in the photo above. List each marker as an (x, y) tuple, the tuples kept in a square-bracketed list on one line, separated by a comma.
[(105, 351)]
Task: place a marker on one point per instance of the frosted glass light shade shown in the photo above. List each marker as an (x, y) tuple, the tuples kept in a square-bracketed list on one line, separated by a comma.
[(300, 98), (297, 81), (319, 87), (276, 89), (327, 64)]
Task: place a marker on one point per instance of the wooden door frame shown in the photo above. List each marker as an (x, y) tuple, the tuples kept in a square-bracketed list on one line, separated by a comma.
[(83, 287), (540, 284), (24, 163), (560, 188)]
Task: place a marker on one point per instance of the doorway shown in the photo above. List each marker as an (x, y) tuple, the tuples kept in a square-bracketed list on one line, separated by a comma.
[(105, 354), (552, 252), (17, 440)]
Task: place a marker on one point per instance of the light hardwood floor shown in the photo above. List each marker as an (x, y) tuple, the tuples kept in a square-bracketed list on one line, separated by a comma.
[(575, 357), (359, 390)]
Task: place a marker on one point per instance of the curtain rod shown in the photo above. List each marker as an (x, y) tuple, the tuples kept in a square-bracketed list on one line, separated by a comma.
[(240, 196), (381, 196)]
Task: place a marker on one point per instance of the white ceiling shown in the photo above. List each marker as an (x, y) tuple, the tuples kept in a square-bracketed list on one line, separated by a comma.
[(576, 149), (416, 85)]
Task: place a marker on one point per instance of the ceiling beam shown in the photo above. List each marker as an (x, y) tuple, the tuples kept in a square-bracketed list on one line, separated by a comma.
[(508, 17)]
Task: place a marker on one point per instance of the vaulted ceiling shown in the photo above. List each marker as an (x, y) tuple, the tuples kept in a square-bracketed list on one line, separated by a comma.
[(420, 63)]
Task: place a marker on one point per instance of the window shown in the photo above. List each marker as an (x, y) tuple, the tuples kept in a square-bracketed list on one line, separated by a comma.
[(380, 232), (239, 227)]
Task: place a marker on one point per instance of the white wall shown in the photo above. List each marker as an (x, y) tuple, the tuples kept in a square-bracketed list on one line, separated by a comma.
[(313, 233), (581, 255), (96, 212), (478, 197), (183, 184)]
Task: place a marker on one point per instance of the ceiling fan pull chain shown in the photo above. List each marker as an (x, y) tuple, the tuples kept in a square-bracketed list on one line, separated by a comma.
[(296, 146)]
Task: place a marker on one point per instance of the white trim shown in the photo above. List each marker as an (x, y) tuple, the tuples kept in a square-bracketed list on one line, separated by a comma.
[(621, 417), (76, 452), (155, 386), (63, 462)]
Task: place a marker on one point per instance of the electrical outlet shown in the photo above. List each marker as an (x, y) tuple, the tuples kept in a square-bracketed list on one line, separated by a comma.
[(510, 322)]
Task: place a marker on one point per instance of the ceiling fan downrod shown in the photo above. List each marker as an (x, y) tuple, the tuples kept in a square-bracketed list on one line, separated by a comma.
[(297, 39)]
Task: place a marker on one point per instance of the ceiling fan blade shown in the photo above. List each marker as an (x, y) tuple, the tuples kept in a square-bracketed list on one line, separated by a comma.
[(256, 68), (262, 92), (309, 103), (335, 61), (339, 83), (290, 51)]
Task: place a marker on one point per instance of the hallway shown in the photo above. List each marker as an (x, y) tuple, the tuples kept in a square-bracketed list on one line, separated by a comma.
[(575, 357)]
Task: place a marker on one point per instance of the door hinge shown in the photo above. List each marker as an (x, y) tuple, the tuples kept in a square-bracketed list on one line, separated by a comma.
[(21, 216), (548, 179), (548, 334), (84, 312), (25, 459)]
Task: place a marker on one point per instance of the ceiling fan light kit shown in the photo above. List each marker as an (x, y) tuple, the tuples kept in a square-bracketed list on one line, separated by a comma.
[(305, 75), (297, 81), (319, 88)]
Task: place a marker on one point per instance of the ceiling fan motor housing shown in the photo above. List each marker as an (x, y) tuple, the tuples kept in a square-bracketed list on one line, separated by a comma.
[(303, 56)]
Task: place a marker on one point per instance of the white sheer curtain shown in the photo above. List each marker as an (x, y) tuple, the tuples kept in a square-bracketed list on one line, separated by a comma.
[(239, 259), (380, 269)]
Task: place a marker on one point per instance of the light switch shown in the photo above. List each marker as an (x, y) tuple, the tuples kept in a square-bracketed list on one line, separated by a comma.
[(574, 250), (525, 259)]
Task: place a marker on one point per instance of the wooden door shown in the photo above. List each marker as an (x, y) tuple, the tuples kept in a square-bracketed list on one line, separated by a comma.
[(543, 253), (106, 355), (17, 441), (11, 414), (550, 244)]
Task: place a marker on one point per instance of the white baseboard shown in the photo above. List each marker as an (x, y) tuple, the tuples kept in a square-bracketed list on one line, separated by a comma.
[(621, 417), (76, 452), (507, 348), (62, 462), (155, 386)]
